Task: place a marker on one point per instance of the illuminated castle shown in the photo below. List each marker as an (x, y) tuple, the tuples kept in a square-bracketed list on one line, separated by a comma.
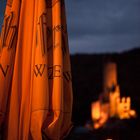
[(110, 104)]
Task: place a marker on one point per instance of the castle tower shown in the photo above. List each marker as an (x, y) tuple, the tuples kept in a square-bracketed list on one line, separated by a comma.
[(109, 77), (110, 86)]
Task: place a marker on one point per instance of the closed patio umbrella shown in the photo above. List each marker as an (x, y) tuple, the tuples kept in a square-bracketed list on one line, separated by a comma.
[(35, 76)]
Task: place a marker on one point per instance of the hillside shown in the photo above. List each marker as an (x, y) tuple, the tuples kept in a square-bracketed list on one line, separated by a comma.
[(87, 80)]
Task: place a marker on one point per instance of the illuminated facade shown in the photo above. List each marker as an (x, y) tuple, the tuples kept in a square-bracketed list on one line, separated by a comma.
[(110, 103)]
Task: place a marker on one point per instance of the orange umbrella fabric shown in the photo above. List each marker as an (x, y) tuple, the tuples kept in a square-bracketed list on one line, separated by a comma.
[(35, 73)]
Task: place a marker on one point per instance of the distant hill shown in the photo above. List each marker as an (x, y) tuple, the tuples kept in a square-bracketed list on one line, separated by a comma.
[(87, 79)]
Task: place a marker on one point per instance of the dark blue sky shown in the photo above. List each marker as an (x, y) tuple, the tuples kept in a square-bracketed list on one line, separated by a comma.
[(101, 25), (2, 8)]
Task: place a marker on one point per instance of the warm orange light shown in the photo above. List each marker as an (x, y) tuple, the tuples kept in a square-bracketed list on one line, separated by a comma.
[(124, 108), (133, 113), (115, 106), (100, 114), (96, 110), (35, 71), (109, 76), (104, 113), (113, 97)]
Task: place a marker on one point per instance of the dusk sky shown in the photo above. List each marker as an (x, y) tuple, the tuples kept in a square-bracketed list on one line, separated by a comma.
[(2, 8), (97, 26), (103, 25)]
